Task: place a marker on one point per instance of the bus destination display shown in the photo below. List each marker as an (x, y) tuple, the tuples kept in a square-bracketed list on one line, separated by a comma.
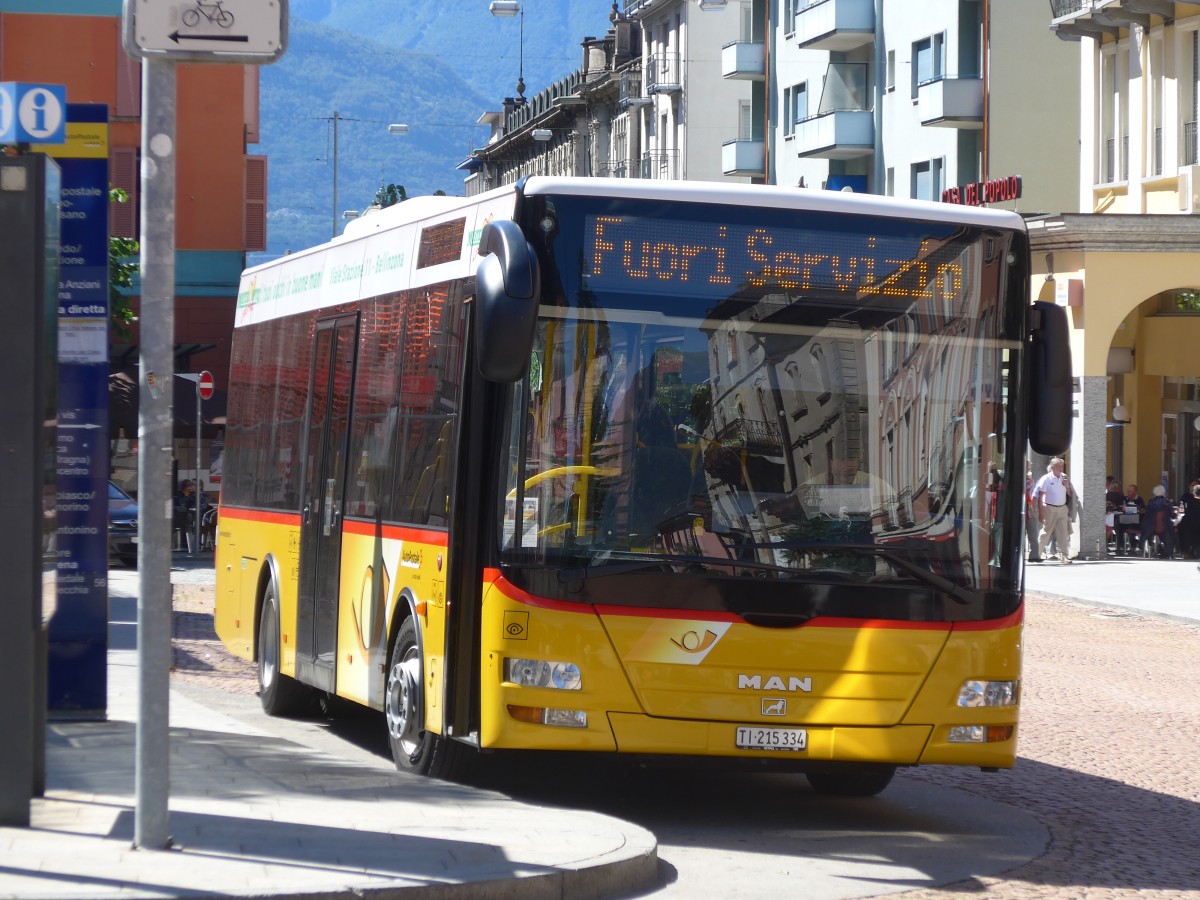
[(628, 253)]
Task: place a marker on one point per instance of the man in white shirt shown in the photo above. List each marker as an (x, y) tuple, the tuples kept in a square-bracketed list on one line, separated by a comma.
[(1052, 498)]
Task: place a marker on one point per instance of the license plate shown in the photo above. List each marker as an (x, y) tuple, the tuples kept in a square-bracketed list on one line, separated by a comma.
[(771, 738)]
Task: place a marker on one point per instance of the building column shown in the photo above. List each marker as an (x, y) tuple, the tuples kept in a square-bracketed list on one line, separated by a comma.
[(1089, 461)]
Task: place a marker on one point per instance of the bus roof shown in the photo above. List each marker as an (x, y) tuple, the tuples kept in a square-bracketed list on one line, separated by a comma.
[(775, 197)]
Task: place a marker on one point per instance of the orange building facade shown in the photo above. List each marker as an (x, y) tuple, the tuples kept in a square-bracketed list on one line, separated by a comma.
[(220, 210)]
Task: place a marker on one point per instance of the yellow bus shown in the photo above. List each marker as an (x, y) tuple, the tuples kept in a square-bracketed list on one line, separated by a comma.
[(643, 467)]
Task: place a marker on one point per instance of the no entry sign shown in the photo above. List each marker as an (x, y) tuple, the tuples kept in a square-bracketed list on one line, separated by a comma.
[(204, 385)]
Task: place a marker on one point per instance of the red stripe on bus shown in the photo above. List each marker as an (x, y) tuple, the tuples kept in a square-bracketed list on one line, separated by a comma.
[(494, 576), (260, 515), (395, 532)]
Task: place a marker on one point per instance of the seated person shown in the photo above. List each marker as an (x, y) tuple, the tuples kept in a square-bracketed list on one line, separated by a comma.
[(1113, 499), (1129, 532), (1159, 518)]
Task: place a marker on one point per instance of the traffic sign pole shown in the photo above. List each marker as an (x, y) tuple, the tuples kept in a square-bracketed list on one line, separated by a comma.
[(204, 390), (155, 440)]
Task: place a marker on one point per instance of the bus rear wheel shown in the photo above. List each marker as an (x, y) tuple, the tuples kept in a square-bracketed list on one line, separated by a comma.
[(864, 782), (280, 694), (414, 749)]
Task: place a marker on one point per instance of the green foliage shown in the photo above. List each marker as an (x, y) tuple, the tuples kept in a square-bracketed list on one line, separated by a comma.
[(122, 266), (1188, 301)]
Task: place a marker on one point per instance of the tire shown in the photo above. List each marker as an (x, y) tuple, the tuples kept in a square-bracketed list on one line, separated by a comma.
[(190, 18), (281, 695), (413, 748), (225, 19), (851, 782)]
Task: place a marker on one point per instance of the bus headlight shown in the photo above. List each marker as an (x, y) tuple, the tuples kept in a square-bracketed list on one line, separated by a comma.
[(564, 676), (988, 693), (538, 715)]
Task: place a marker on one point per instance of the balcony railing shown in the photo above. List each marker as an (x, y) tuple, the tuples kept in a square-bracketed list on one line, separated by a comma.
[(837, 25), (751, 435), (743, 60), (663, 75), (1189, 144), (951, 102), (743, 158), (630, 91), (1158, 152), (842, 134), (614, 169), (660, 165)]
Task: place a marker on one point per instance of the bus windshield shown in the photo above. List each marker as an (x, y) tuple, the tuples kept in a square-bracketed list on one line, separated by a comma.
[(748, 392)]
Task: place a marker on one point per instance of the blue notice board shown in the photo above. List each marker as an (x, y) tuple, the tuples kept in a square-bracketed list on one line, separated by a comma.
[(78, 629)]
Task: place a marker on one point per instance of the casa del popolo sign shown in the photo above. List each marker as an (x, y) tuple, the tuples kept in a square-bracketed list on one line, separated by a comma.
[(978, 193)]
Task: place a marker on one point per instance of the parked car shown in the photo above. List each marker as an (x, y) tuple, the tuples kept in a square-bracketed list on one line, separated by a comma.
[(122, 526)]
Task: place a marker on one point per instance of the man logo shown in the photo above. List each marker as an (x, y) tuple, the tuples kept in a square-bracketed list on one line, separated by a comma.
[(774, 706), (774, 683)]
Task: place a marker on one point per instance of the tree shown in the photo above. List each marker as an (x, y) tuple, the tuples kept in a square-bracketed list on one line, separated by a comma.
[(122, 266)]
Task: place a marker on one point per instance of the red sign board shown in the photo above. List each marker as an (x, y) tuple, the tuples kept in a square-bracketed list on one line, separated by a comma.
[(204, 385)]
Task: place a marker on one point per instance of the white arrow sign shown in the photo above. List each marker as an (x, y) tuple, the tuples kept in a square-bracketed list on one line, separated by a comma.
[(207, 30)]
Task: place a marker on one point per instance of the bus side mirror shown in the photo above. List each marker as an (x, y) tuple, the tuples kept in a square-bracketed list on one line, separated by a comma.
[(507, 291), (1049, 380)]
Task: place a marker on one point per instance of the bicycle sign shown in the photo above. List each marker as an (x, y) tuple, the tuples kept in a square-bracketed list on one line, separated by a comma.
[(212, 12), (238, 31)]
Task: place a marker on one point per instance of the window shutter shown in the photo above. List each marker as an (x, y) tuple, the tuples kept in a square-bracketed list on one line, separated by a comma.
[(123, 173), (129, 86), (255, 205)]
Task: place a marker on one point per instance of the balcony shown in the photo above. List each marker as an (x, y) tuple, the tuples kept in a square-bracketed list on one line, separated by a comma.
[(743, 158), (660, 165), (1073, 19), (631, 89), (841, 134), (663, 75), (837, 25), (951, 102), (743, 61), (614, 168)]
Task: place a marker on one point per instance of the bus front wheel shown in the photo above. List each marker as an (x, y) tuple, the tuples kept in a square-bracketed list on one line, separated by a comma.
[(280, 694), (864, 782), (414, 749)]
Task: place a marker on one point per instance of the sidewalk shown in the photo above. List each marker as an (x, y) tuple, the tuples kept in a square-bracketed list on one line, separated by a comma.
[(254, 815), (1169, 588)]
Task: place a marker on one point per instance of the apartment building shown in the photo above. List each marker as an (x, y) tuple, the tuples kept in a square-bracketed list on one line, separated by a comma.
[(942, 100), (649, 101)]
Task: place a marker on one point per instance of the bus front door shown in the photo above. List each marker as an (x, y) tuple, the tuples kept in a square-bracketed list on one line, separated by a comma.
[(330, 395)]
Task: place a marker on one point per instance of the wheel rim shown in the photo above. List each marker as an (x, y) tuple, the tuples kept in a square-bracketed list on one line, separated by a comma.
[(268, 650), (401, 705)]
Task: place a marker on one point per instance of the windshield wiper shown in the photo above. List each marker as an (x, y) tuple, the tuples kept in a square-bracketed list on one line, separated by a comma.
[(599, 567), (956, 591)]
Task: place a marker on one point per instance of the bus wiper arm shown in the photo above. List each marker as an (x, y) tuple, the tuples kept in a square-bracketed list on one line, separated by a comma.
[(655, 561), (956, 591)]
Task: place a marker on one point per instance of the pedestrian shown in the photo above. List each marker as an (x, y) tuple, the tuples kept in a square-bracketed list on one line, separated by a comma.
[(1032, 524), (1052, 493)]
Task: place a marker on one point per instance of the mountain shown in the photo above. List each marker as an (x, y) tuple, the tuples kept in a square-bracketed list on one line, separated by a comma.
[(435, 66)]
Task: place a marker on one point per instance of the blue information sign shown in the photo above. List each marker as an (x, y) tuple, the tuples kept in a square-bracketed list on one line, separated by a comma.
[(78, 630), (32, 113)]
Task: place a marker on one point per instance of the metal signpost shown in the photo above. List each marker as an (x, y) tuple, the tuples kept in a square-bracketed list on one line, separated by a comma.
[(162, 34)]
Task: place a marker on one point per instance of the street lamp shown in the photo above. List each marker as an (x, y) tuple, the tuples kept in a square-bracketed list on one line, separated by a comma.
[(506, 9), (397, 128)]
